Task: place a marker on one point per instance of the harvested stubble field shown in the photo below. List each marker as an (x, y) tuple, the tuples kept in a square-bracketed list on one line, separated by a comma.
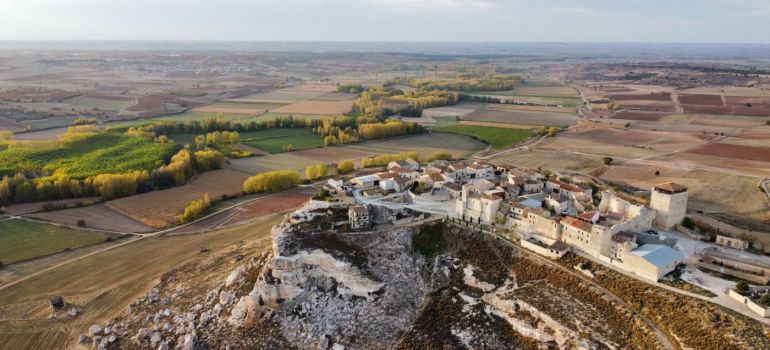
[(497, 114), (730, 91), (457, 110), (281, 96), (105, 104), (317, 107), (335, 96), (161, 209), (195, 115), (426, 144), (710, 191), (313, 88), (641, 116), (546, 90), (656, 96), (103, 285), (96, 216), (549, 159), (22, 240), (627, 143)]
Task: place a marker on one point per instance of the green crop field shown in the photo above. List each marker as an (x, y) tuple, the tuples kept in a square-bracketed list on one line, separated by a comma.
[(499, 138), (22, 240), (273, 141), (100, 154)]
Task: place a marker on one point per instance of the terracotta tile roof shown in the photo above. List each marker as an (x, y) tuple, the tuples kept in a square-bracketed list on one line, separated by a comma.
[(577, 223), (384, 176), (587, 216), (671, 187), (436, 177), (453, 186), (359, 209)]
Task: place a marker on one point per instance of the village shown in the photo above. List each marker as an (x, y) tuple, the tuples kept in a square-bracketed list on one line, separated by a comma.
[(552, 214)]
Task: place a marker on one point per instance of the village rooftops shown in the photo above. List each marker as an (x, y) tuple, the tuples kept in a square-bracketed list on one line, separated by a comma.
[(401, 180), (670, 187), (453, 186), (624, 236), (400, 170), (577, 223), (436, 177), (531, 203), (359, 209), (383, 176)]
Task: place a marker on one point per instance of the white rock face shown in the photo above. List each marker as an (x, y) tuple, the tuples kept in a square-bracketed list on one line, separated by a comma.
[(234, 276)]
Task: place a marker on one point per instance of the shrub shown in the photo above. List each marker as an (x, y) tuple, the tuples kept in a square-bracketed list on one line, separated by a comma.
[(607, 160), (742, 287), (195, 209), (688, 223), (345, 166), (81, 223)]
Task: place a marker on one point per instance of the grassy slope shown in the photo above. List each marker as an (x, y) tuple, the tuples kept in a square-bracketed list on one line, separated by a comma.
[(499, 138), (21, 240), (101, 154)]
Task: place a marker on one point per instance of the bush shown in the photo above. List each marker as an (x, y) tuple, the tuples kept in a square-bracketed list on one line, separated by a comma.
[(81, 223), (345, 166), (688, 223), (607, 160), (195, 209), (742, 287)]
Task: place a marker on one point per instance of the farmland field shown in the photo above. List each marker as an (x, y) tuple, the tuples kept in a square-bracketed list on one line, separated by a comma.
[(498, 138), (426, 144), (100, 103), (161, 208), (281, 96), (335, 96), (493, 113), (630, 143), (193, 115), (549, 159), (317, 107), (55, 122), (100, 154), (22, 240), (103, 285), (96, 216), (273, 140)]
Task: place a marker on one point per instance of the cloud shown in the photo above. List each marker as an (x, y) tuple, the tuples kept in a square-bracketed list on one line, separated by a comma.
[(432, 4)]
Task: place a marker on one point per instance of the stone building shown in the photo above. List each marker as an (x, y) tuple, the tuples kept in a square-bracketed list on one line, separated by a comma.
[(669, 200)]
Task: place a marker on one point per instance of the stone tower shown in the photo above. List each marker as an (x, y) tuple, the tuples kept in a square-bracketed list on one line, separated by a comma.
[(669, 200)]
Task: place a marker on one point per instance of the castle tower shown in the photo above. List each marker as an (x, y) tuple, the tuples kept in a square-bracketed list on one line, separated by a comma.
[(669, 200)]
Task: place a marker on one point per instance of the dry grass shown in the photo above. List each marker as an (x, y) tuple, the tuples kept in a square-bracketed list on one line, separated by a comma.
[(317, 107), (104, 284), (160, 209)]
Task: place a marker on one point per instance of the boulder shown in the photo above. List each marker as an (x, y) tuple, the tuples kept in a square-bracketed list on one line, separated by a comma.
[(57, 302), (95, 330)]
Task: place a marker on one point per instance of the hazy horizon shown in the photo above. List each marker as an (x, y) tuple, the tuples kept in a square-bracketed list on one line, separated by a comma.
[(581, 21)]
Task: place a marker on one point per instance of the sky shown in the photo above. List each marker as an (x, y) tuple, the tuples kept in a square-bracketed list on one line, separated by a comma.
[(698, 21)]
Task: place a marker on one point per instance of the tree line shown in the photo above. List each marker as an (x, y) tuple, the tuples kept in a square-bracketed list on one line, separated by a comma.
[(182, 166), (384, 159)]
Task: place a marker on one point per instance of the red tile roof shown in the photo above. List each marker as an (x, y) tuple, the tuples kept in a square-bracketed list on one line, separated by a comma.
[(671, 187)]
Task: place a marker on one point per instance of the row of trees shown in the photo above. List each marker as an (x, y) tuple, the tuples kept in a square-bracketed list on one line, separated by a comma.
[(490, 83), (20, 189), (317, 171), (384, 159), (350, 88), (388, 129), (272, 181), (195, 209)]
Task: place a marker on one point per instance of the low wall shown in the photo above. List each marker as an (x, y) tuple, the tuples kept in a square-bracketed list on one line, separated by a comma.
[(759, 309)]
